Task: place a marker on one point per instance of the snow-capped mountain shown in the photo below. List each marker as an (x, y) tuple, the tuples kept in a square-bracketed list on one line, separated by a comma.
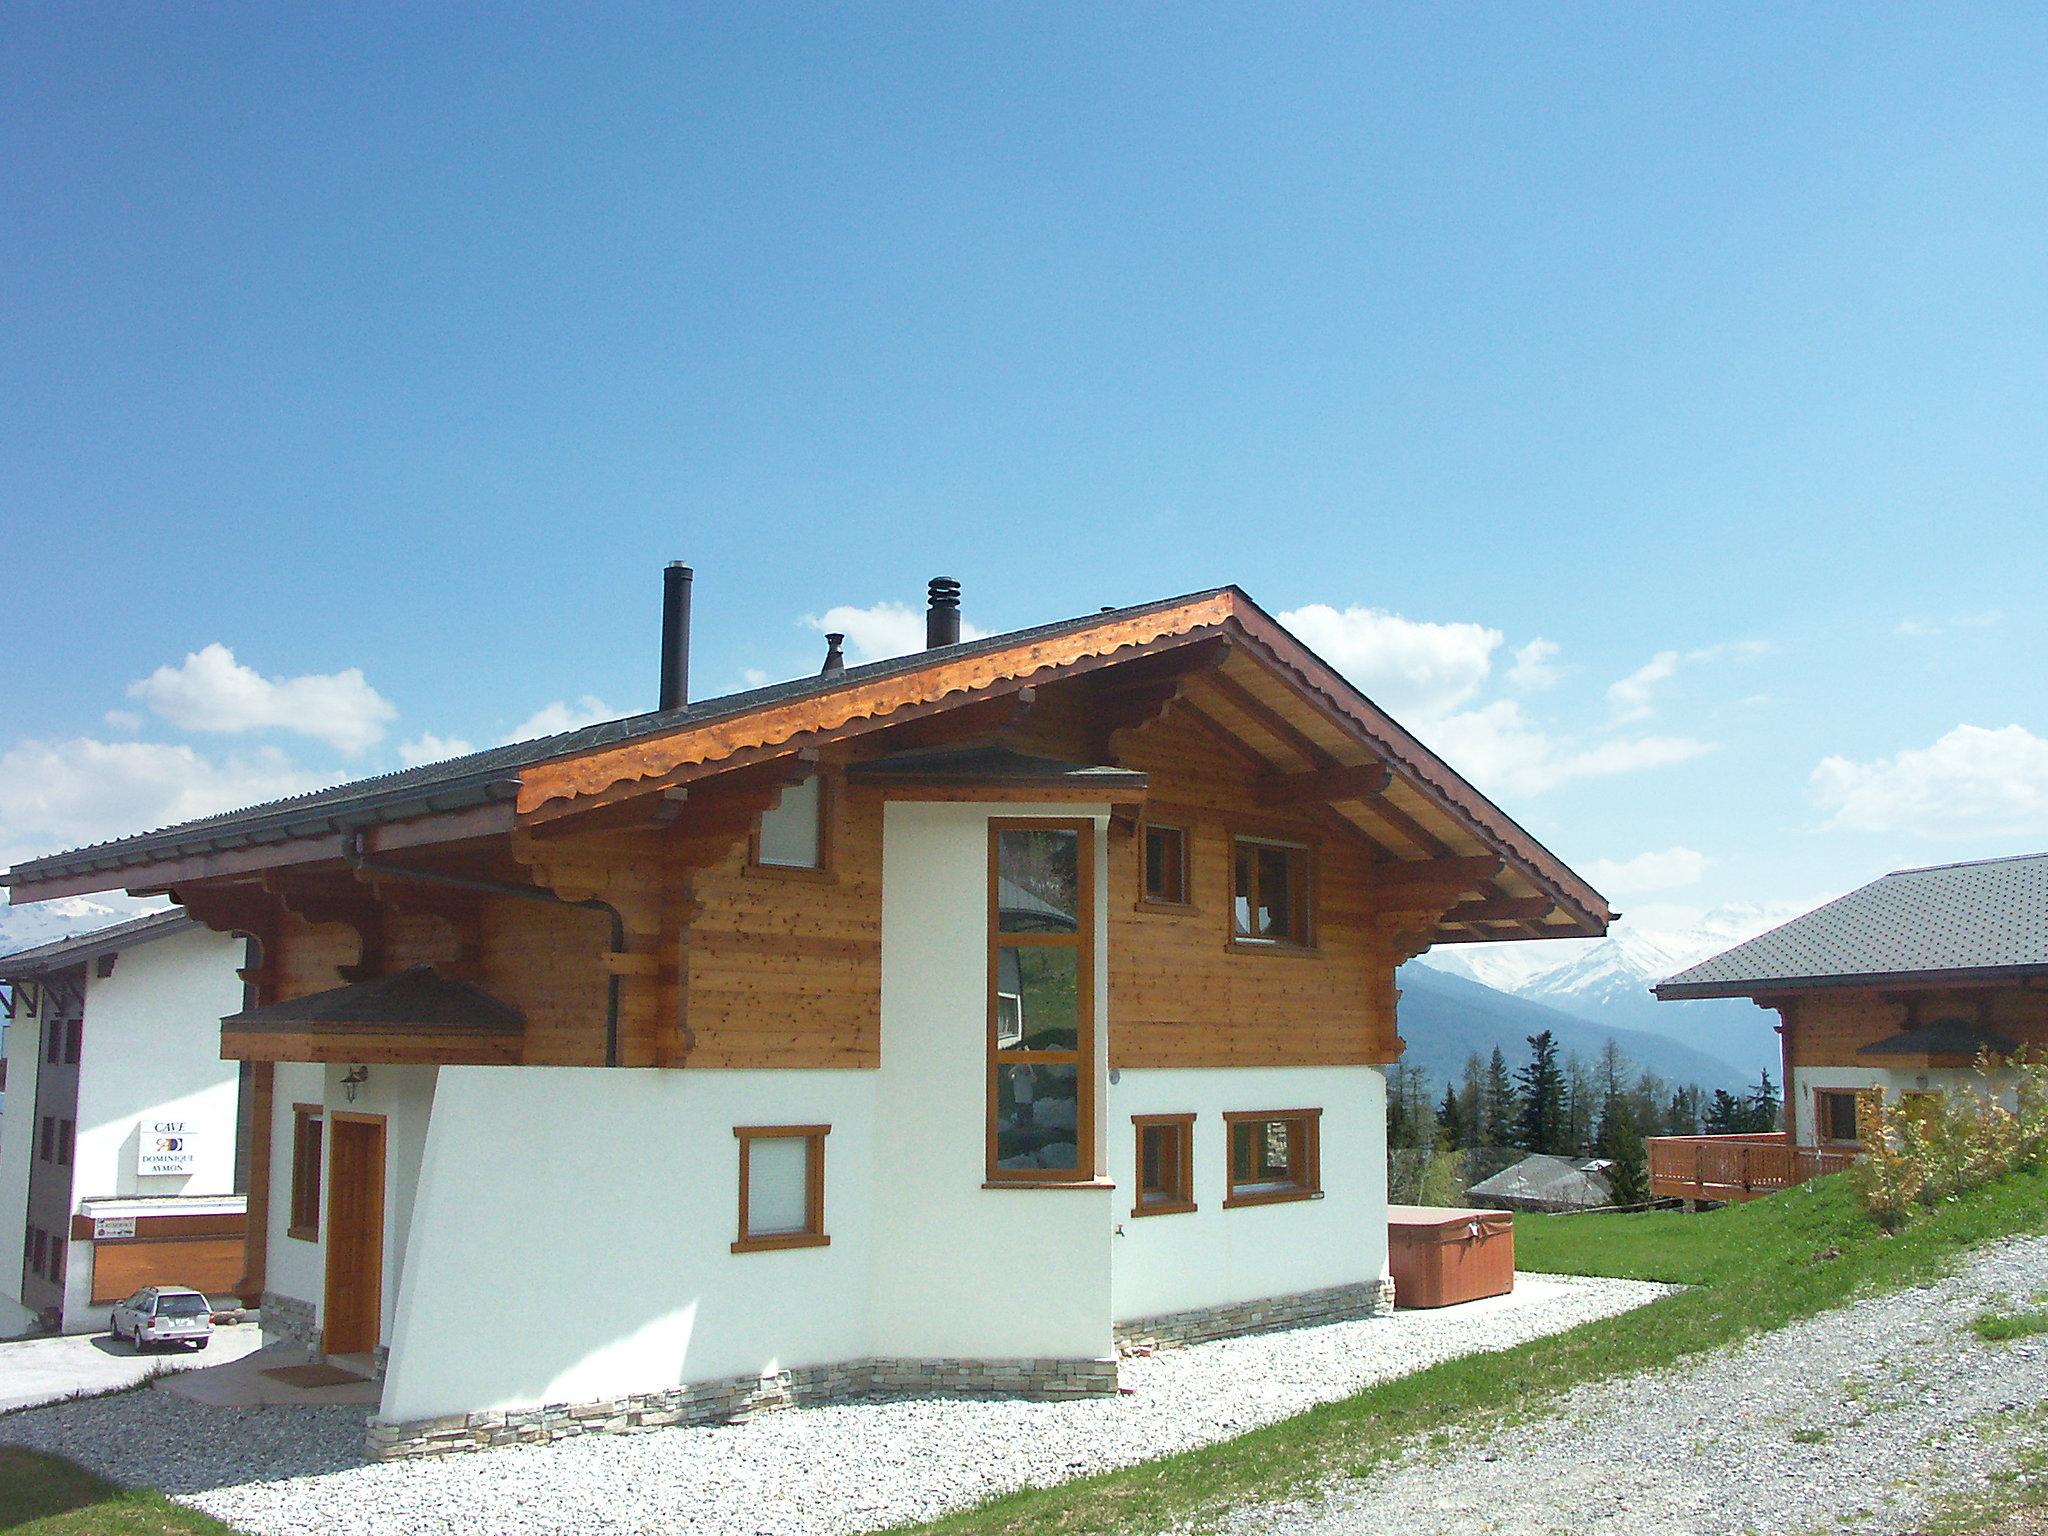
[(1608, 980), (43, 921)]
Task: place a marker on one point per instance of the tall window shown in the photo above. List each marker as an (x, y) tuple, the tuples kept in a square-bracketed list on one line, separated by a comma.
[(74, 1038), (1271, 902), (1041, 1006), (1166, 865), (305, 1212), (1274, 1155), (792, 836)]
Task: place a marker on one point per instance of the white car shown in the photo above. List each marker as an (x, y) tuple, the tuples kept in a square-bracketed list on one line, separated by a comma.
[(164, 1314)]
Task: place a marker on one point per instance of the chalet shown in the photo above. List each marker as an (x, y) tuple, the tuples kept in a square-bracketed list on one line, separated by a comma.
[(118, 1165), (1901, 985), (925, 1024)]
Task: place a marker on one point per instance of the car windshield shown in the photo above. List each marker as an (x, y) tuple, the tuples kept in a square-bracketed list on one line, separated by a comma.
[(187, 1305)]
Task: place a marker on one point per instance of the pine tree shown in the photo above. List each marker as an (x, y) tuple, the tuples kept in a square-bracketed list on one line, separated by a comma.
[(1502, 1111), (1472, 1103), (1542, 1122), (1582, 1099), (1763, 1105), (1621, 1143), (1726, 1115), (1450, 1119)]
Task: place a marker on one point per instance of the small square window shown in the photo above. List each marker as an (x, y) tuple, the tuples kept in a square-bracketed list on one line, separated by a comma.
[(792, 835), (1835, 1114), (782, 1187), (1166, 865), (1274, 1155), (1166, 1164), (1270, 901)]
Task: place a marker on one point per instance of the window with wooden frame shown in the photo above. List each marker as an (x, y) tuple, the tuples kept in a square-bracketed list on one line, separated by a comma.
[(74, 1041), (39, 1249), (53, 1041), (1163, 872), (67, 1141), (1275, 1155), (1166, 1164), (1834, 1114), (1041, 1003), (794, 837), (307, 1124), (1270, 901), (782, 1187), (48, 1150)]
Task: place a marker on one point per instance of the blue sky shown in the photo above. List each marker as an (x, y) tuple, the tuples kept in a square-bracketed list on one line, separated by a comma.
[(409, 343)]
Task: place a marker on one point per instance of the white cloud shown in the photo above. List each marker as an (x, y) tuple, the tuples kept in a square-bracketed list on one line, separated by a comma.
[(124, 719), (1971, 780), (1535, 667), (881, 630), (1411, 668), (553, 719), (211, 691), (1498, 748), (1667, 869), (64, 794), (1927, 629), (429, 748), (1631, 697), (754, 677)]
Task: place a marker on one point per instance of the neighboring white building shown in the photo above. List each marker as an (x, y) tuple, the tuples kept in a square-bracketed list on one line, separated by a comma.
[(936, 1024), (118, 1158)]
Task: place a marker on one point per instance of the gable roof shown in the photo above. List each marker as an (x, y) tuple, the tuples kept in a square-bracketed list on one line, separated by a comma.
[(1980, 921), (77, 948), (494, 790)]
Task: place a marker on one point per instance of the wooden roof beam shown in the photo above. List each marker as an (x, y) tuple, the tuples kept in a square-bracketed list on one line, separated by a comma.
[(1427, 876), (1359, 782), (1502, 909)]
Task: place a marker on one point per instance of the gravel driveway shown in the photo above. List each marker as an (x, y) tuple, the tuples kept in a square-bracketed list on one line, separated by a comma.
[(1860, 1419), (813, 1470)]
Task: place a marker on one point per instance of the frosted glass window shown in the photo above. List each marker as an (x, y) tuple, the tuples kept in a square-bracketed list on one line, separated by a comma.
[(791, 834), (778, 1185)]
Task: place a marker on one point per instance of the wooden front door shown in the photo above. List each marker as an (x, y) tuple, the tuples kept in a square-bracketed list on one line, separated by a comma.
[(355, 1234)]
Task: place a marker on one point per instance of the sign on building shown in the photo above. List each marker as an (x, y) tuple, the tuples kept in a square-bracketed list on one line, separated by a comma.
[(167, 1146), (112, 1226)]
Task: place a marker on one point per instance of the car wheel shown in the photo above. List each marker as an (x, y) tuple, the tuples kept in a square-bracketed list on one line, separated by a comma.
[(201, 1343)]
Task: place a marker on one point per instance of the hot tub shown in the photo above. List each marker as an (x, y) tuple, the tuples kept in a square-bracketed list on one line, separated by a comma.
[(1442, 1255)]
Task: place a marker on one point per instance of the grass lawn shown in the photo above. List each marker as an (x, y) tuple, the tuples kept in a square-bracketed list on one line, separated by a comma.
[(1750, 1268), (45, 1496)]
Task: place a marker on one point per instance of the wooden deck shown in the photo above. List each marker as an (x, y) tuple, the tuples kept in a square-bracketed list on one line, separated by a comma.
[(1736, 1167)]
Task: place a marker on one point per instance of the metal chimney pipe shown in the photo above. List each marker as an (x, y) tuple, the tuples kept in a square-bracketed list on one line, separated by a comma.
[(942, 617), (835, 660), (675, 636)]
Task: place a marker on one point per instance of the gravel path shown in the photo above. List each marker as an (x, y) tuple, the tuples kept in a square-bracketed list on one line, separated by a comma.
[(802, 1472), (1862, 1419)]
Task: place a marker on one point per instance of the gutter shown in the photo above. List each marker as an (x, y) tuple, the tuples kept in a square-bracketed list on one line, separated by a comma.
[(352, 853)]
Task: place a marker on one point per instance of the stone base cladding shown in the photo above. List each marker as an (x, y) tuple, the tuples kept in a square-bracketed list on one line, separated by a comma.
[(288, 1318), (1303, 1310), (725, 1402)]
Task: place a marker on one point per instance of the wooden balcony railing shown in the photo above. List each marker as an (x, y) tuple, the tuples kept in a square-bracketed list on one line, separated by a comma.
[(1736, 1167)]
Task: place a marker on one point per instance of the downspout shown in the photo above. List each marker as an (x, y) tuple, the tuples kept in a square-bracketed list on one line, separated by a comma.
[(352, 853)]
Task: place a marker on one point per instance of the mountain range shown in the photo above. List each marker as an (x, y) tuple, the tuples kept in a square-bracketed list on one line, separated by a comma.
[(1607, 982)]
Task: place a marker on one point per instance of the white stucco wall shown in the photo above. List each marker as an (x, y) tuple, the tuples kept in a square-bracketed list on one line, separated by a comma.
[(151, 1051), (404, 1097), (1894, 1082), (292, 1266), (974, 1272), (17, 1146), (1211, 1256), (573, 1232)]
